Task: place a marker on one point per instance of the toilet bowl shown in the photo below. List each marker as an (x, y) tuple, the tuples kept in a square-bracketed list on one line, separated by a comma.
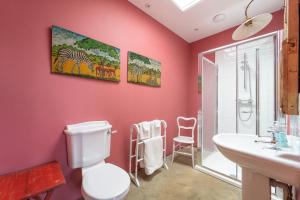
[(105, 182), (88, 145)]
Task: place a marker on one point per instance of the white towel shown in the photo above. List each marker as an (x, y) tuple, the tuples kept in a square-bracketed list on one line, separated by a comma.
[(145, 132), (155, 128), (153, 154)]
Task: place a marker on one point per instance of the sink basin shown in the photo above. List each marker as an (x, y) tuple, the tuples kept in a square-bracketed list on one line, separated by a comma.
[(291, 157), (259, 163)]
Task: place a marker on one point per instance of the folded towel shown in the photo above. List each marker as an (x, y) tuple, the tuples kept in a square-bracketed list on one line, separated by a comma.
[(155, 128), (145, 132), (153, 154)]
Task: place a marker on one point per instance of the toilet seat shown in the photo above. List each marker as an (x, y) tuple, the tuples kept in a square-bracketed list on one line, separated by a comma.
[(105, 182)]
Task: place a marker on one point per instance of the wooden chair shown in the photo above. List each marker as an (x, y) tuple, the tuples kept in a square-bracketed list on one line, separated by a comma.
[(184, 140)]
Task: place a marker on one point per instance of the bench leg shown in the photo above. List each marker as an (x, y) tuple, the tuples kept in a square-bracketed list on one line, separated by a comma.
[(48, 195), (37, 197)]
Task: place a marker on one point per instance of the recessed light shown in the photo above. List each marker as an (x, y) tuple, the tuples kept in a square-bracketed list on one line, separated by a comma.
[(185, 4), (147, 5), (219, 17)]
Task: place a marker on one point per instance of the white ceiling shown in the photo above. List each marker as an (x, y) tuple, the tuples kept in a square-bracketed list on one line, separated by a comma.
[(201, 15)]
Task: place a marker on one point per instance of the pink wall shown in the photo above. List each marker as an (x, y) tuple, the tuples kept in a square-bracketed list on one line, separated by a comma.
[(36, 105), (214, 41)]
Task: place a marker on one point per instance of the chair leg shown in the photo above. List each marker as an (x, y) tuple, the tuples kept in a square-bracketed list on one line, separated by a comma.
[(173, 152), (193, 161)]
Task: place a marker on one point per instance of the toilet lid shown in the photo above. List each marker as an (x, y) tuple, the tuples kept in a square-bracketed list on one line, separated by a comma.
[(106, 182)]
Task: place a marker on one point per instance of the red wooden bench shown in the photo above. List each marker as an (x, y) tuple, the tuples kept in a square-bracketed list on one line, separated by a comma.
[(31, 183)]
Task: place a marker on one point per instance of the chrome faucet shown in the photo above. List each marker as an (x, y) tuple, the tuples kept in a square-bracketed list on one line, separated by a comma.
[(273, 131)]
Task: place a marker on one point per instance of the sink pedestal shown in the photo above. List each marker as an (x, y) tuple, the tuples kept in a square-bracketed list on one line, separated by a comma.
[(255, 186)]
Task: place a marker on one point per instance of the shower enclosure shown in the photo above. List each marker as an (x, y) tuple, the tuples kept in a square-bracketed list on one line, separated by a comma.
[(239, 95)]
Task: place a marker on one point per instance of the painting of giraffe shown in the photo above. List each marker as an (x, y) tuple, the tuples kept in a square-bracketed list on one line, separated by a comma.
[(143, 70), (78, 55)]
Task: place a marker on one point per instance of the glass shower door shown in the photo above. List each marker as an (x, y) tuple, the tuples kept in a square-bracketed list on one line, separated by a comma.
[(211, 157), (226, 60), (238, 96), (256, 86)]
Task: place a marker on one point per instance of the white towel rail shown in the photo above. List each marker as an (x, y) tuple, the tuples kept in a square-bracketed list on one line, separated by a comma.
[(134, 156)]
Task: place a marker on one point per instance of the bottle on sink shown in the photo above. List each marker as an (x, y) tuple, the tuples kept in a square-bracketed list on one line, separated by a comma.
[(280, 135)]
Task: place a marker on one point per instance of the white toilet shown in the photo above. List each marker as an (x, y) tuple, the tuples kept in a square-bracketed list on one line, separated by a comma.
[(88, 144)]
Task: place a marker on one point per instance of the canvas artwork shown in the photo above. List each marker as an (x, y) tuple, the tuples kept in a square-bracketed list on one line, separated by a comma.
[(143, 70), (78, 55)]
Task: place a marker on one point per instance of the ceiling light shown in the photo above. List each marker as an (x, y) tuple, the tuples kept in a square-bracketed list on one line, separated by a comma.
[(252, 25), (147, 5), (185, 4), (219, 18)]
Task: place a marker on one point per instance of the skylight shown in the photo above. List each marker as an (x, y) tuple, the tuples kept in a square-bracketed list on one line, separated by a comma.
[(185, 4)]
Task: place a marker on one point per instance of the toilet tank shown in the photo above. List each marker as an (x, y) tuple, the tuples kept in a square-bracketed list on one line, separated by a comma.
[(88, 143)]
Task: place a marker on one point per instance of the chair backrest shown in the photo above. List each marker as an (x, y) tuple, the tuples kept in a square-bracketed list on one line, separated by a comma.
[(181, 120)]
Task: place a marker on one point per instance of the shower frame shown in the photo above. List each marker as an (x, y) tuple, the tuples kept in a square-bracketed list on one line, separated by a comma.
[(276, 38)]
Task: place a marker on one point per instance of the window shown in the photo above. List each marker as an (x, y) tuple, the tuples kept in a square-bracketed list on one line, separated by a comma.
[(185, 4)]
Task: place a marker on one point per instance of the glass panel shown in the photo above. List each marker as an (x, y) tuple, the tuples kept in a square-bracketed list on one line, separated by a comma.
[(226, 61), (209, 98), (246, 102), (267, 74), (239, 96), (252, 56), (211, 157)]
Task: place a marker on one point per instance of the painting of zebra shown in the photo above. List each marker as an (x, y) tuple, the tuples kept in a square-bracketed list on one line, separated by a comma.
[(78, 55), (143, 70)]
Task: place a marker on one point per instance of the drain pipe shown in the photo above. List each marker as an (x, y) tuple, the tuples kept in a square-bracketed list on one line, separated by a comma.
[(287, 189)]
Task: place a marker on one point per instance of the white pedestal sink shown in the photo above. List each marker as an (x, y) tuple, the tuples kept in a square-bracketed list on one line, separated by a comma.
[(259, 163)]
